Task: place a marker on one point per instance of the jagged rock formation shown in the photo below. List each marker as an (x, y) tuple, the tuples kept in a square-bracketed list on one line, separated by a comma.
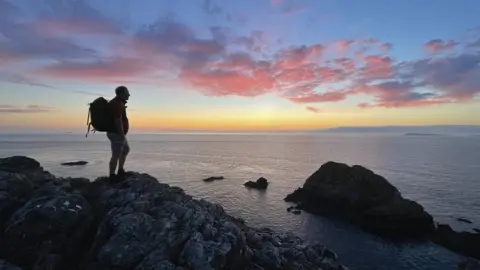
[(139, 223)]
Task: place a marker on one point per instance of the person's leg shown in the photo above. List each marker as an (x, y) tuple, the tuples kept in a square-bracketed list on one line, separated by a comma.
[(116, 149), (123, 157)]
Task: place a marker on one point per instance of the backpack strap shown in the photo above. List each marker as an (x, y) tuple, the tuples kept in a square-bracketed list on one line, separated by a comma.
[(89, 124)]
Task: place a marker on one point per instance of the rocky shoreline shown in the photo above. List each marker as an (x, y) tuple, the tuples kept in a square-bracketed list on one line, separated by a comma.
[(74, 223)]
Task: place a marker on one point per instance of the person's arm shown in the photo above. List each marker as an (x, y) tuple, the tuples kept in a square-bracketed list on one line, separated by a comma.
[(117, 119)]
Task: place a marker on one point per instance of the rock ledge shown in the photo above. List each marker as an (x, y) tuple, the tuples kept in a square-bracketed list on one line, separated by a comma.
[(71, 223)]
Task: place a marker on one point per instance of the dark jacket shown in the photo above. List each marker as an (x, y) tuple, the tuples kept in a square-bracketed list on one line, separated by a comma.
[(119, 109)]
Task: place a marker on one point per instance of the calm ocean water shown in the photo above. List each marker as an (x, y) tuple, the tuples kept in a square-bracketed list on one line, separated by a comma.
[(439, 172)]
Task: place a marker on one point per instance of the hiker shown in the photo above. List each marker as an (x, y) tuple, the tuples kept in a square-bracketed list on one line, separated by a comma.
[(117, 134)]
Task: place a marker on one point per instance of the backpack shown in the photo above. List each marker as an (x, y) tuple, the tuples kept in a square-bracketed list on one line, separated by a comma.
[(99, 116)]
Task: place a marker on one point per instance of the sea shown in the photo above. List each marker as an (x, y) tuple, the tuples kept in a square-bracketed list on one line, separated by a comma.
[(442, 173)]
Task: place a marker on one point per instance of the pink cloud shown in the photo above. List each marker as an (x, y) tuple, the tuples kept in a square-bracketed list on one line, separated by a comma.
[(437, 45), (344, 45), (221, 63), (376, 67), (386, 47)]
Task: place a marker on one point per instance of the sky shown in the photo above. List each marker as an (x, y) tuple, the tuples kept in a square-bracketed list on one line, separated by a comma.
[(240, 65)]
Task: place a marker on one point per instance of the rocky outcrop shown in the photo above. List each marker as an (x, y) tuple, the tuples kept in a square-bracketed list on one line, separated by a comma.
[(466, 243), (261, 183), (358, 195), (75, 163), (213, 178), (139, 223), (362, 197)]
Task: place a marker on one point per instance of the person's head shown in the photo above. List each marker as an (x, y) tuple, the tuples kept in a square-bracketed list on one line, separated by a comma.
[(122, 92)]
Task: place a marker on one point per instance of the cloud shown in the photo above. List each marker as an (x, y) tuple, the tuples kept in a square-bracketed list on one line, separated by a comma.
[(97, 70), (344, 45), (11, 109), (221, 61), (313, 109), (438, 45)]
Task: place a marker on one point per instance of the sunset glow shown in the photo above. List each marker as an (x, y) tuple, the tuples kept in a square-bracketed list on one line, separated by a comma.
[(245, 65)]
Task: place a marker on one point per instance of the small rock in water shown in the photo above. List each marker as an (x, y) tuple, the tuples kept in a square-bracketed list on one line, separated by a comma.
[(464, 220), (213, 178), (297, 212), (261, 183), (289, 209), (75, 163)]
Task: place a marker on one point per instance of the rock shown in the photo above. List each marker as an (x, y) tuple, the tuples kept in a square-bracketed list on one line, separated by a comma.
[(75, 163), (461, 242), (297, 212), (213, 178), (261, 183), (4, 265), (464, 220), (19, 164), (476, 230), (139, 223), (289, 209), (362, 197), (15, 190), (469, 264), (54, 224)]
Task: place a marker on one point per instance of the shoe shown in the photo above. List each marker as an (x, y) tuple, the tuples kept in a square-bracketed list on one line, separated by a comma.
[(115, 178)]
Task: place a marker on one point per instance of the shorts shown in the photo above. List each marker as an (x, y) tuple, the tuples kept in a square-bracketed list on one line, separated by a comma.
[(118, 144)]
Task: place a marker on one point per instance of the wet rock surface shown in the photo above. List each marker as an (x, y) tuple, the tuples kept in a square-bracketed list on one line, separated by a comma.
[(138, 223)]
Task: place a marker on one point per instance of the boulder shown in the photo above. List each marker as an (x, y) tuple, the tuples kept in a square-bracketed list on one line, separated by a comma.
[(466, 243), (139, 223), (75, 163), (19, 164), (261, 183), (360, 196)]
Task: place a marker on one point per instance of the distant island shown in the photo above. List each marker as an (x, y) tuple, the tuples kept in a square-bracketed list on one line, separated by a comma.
[(411, 130), (422, 134)]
